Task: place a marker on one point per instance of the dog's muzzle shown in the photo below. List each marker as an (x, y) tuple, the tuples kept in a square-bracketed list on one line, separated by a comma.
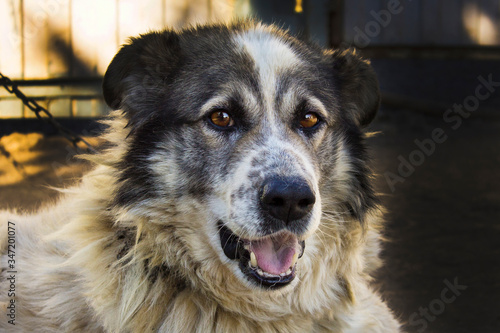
[(270, 261)]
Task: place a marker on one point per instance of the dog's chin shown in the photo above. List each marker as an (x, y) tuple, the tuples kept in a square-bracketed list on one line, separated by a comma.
[(268, 262)]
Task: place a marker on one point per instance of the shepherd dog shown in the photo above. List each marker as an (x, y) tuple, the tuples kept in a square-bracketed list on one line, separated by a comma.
[(233, 194)]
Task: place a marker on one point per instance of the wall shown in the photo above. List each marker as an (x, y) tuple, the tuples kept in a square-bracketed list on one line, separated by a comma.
[(422, 22), (76, 39)]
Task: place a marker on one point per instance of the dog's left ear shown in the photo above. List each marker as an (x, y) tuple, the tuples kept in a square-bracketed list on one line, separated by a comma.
[(358, 84)]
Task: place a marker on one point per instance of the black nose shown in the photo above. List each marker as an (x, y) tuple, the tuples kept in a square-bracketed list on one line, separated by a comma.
[(287, 199)]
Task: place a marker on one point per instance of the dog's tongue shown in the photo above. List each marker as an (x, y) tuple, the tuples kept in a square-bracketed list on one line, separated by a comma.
[(275, 254)]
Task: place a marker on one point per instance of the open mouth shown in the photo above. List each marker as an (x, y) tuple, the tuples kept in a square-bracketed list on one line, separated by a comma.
[(269, 261)]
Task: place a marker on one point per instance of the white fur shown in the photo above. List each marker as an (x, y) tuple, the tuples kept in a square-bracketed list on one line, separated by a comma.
[(270, 55)]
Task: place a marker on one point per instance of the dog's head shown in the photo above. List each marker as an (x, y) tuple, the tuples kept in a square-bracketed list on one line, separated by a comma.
[(246, 137)]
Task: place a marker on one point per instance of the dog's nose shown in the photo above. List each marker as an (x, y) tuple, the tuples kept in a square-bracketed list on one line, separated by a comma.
[(287, 199)]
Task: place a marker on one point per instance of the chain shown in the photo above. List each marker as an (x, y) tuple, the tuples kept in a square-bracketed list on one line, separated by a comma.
[(43, 114)]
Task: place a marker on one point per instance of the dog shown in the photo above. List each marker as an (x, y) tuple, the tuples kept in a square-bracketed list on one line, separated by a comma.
[(233, 195)]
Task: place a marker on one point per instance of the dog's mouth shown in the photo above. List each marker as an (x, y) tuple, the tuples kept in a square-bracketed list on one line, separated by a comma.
[(269, 261)]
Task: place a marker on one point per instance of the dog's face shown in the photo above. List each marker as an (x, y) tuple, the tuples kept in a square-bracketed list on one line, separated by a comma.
[(250, 132)]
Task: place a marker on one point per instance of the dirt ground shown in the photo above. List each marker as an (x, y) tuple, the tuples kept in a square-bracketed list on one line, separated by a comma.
[(30, 164), (443, 220), (443, 223)]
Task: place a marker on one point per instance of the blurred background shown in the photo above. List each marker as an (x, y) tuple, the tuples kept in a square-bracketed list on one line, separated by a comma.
[(436, 152)]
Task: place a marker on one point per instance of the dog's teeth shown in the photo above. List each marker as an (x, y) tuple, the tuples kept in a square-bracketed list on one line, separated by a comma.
[(288, 272), (294, 259), (264, 274), (253, 259)]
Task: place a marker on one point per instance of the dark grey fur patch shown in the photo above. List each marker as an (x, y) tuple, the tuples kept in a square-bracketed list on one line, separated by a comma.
[(125, 240)]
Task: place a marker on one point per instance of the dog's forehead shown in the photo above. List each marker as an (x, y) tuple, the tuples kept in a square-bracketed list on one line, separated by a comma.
[(269, 71), (270, 53), (272, 57), (260, 72)]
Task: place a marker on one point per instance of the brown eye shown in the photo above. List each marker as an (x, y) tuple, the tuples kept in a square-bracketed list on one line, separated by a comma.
[(221, 118), (309, 120)]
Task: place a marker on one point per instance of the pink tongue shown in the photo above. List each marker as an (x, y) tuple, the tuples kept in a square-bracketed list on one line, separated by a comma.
[(275, 254)]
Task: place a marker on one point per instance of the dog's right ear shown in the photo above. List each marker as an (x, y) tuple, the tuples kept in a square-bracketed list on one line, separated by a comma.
[(134, 79)]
